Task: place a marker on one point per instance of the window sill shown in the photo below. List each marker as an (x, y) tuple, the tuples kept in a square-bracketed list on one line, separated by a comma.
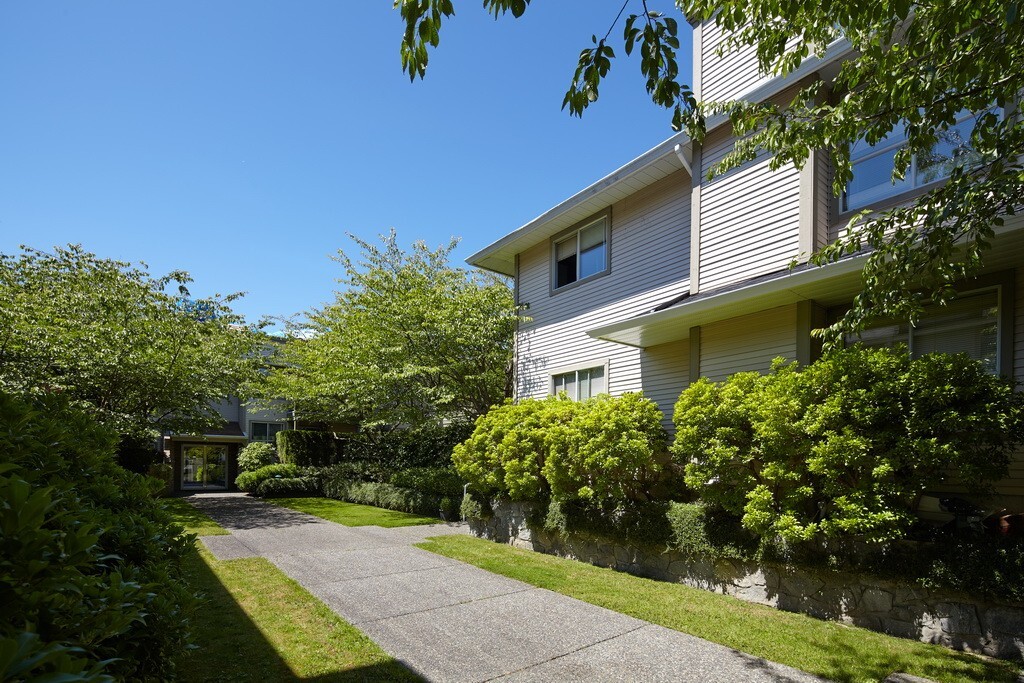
[(577, 283), (907, 197)]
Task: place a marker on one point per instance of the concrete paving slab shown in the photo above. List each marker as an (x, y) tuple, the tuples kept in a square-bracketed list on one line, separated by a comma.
[(480, 640), (658, 655), (227, 547), (317, 567), (453, 622), (380, 597)]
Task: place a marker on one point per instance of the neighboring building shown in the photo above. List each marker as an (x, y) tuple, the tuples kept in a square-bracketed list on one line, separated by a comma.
[(655, 276), (209, 462)]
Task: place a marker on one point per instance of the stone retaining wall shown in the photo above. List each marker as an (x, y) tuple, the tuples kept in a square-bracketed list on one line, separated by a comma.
[(955, 621)]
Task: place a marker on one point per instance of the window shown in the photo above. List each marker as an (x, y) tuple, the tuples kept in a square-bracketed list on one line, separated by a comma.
[(873, 164), (581, 254), (969, 324), (579, 384), (264, 431)]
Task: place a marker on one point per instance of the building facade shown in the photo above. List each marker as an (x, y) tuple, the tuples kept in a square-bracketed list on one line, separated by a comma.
[(655, 276)]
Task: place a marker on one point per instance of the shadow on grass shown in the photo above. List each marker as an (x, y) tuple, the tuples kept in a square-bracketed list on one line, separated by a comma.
[(229, 646)]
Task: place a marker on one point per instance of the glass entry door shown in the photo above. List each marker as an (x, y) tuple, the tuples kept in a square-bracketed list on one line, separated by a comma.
[(204, 467)]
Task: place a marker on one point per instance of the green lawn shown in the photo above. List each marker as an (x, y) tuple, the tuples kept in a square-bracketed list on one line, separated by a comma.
[(351, 514), (256, 624), (194, 521), (827, 649)]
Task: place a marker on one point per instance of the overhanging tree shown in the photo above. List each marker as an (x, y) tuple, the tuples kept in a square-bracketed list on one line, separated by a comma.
[(114, 340), (914, 68), (408, 340)]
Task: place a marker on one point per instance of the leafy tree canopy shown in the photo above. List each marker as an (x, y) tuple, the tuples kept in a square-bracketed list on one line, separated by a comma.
[(408, 340), (914, 67), (114, 340)]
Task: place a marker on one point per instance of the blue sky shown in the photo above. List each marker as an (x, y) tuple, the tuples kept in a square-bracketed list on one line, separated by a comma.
[(240, 141)]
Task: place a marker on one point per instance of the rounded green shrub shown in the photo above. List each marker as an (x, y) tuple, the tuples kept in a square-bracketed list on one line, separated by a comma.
[(250, 481), (844, 446), (256, 455), (603, 448)]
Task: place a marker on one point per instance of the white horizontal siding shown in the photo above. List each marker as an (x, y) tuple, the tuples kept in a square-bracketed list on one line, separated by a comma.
[(729, 76), (750, 219), (650, 253), (750, 342), (665, 372)]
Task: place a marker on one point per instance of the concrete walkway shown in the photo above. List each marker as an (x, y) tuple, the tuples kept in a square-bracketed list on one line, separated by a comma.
[(450, 621)]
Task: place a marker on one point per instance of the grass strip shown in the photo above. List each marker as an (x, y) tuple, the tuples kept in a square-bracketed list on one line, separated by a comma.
[(352, 514), (256, 624), (194, 521), (828, 649)]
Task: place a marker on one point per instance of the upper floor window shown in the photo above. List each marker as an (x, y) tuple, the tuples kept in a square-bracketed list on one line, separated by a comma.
[(968, 324), (873, 164), (581, 254), (581, 384), (264, 431)]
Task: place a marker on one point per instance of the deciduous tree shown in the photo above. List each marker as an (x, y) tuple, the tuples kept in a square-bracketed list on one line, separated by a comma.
[(132, 349), (408, 340)]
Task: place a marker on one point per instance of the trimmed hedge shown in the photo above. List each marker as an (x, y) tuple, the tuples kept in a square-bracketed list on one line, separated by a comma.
[(90, 563), (306, 448), (604, 448), (440, 481), (287, 487), (390, 497), (402, 449)]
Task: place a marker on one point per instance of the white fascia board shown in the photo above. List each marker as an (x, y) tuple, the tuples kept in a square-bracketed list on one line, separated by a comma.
[(654, 164), (674, 323)]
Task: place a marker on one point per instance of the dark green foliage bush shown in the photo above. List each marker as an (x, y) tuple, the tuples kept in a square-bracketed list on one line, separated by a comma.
[(632, 522), (702, 531), (289, 487), (391, 497), (473, 508), (250, 481), (603, 448), (136, 454), (256, 455), (427, 445), (306, 448), (441, 481), (844, 446), (361, 470), (90, 574)]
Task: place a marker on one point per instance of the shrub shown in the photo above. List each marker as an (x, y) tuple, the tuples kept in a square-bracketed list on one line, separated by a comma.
[(250, 481), (287, 487), (441, 481), (386, 496), (639, 523), (844, 446), (473, 508), (256, 455), (604, 448), (427, 445), (306, 448), (165, 474), (136, 454), (90, 561), (701, 531)]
